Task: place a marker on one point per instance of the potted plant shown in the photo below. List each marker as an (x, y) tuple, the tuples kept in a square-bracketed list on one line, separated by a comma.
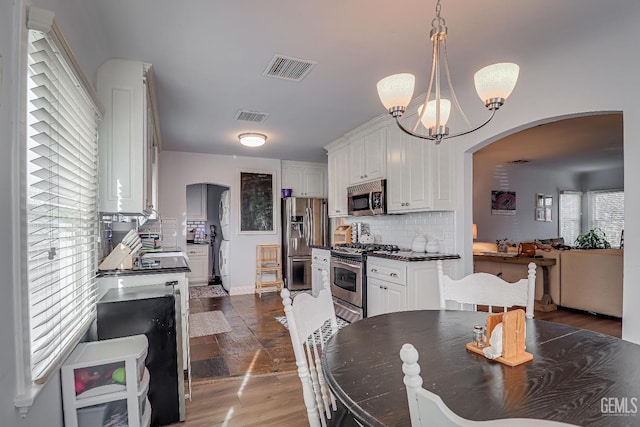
[(593, 239)]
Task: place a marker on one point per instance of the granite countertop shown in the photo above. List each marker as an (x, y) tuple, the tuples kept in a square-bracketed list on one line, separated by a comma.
[(153, 263), (412, 256)]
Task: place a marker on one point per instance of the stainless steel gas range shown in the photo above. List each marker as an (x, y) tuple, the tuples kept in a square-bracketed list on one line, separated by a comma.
[(349, 278)]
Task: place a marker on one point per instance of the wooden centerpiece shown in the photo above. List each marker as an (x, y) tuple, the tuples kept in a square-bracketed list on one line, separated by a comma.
[(513, 337)]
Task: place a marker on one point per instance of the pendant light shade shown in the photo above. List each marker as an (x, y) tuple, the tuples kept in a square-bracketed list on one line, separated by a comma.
[(252, 139), (396, 90), (494, 84), (496, 81), (429, 117)]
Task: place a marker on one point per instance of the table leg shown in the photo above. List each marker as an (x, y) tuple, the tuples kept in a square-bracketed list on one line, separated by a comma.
[(546, 302)]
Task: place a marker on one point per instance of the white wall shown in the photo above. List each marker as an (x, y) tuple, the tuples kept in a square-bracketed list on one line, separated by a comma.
[(526, 181), (179, 169), (596, 74), (609, 179)]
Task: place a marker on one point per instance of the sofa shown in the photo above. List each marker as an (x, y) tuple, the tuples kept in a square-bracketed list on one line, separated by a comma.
[(588, 280)]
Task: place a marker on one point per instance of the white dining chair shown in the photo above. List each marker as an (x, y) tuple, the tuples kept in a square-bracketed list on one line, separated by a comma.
[(428, 409), (487, 289), (311, 321)]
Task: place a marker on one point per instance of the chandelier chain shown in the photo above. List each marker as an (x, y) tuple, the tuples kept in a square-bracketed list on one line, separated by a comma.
[(438, 21)]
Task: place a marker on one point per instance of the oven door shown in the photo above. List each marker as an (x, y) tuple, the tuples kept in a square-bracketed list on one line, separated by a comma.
[(346, 281)]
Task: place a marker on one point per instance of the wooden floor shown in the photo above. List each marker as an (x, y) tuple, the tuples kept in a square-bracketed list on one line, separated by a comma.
[(268, 392)]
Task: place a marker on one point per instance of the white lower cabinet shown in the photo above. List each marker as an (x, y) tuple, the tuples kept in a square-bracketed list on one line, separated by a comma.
[(385, 297), (106, 383), (402, 285), (319, 263), (198, 263)]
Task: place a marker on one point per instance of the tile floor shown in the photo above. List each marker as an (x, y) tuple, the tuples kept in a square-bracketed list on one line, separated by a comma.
[(257, 344)]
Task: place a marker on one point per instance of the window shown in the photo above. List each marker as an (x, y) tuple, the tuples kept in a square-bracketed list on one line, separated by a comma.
[(570, 212), (606, 212), (61, 200)]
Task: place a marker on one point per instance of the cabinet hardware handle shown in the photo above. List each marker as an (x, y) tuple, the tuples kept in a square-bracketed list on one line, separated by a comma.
[(407, 204), (324, 259), (385, 288), (393, 275), (373, 270)]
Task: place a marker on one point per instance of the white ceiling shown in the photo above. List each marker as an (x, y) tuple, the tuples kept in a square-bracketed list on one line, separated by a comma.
[(209, 56)]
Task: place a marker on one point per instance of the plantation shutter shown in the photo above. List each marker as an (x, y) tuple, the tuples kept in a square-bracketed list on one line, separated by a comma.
[(61, 202)]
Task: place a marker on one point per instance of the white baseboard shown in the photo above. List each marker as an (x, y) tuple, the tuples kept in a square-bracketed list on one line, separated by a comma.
[(241, 290)]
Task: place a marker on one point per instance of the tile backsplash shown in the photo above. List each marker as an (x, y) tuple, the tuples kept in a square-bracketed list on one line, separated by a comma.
[(401, 229)]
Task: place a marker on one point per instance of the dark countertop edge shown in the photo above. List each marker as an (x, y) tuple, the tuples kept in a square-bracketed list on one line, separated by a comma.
[(431, 257), (116, 273), (326, 248)]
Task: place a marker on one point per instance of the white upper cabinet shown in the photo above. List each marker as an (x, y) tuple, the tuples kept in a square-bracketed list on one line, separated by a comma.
[(197, 202), (443, 168), (338, 181), (129, 137), (409, 172), (420, 174), (304, 178), (367, 157)]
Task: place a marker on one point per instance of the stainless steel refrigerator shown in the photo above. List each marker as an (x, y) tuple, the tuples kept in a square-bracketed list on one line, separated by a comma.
[(305, 223)]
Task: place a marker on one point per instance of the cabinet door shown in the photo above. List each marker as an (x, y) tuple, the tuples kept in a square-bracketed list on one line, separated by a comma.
[(396, 191), (313, 182), (337, 178), (443, 176), (292, 177), (367, 157), (122, 145), (395, 297), (375, 155), (357, 161), (418, 179), (197, 202), (199, 266), (375, 297)]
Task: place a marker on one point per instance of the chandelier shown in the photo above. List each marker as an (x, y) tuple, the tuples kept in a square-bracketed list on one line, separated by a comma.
[(494, 84)]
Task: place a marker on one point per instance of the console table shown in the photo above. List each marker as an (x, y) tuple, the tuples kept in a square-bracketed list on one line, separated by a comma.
[(546, 302)]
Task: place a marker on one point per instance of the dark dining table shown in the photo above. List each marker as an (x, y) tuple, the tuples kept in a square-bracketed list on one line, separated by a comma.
[(576, 376)]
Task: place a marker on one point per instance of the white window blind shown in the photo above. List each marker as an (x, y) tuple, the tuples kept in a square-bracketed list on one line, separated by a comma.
[(61, 182), (570, 210), (606, 210)]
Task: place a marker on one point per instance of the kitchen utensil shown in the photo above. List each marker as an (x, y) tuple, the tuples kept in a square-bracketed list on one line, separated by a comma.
[(129, 238)]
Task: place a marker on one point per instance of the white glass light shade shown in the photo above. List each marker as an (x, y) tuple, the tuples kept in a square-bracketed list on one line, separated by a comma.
[(396, 90), (429, 117), (252, 139), (496, 81)]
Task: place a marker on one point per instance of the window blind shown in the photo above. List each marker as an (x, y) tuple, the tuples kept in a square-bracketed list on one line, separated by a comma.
[(607, 213), (61, 182), (570, 215)]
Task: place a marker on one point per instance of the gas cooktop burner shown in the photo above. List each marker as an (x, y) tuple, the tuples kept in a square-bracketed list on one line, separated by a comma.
[(358, 248)]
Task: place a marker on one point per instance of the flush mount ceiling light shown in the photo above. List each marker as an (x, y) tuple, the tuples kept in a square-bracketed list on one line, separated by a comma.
[(494, 84), (252, 139)]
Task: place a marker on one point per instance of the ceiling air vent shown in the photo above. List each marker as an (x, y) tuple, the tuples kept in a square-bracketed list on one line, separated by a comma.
[(251, 116), (288, 68)]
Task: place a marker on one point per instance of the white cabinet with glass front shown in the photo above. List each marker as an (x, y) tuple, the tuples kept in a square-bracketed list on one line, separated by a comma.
[(306, 179), (129, 137)]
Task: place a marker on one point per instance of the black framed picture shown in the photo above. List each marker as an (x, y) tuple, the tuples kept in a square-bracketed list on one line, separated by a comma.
[(257, 202)]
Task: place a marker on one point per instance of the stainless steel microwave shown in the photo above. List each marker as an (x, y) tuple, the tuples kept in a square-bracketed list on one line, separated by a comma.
[(369, 198)]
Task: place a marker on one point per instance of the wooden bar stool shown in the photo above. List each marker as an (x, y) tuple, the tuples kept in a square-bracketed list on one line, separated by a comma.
[(269, 264)]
